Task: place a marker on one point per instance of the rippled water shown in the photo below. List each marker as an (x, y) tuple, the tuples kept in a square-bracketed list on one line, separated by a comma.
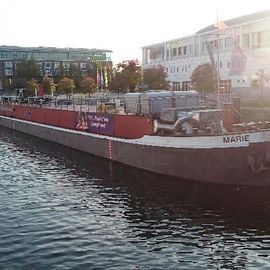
[(62, 209)]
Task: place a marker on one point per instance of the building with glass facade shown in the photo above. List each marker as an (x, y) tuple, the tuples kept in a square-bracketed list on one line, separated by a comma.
[(49, 59)]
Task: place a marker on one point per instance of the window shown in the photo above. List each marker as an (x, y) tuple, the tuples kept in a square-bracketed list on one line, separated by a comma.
[(56, 68), (8, 64), (66, 67), (47, 65), (8, 69), (256, 40), (246, 41), (83, 66), (265, 38), (185, 50), (225, 86), (259, 40), (179, 51), (220, 43), (176, 86), (228, 42), (56, 65), (186, 86)]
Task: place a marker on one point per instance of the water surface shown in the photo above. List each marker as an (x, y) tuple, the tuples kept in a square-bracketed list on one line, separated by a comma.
[(63, 209)]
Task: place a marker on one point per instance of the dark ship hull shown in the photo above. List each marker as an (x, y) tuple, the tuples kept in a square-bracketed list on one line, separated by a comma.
[(236, 159)]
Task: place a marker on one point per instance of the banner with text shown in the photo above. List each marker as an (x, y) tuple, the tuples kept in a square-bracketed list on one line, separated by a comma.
[(101, 123)]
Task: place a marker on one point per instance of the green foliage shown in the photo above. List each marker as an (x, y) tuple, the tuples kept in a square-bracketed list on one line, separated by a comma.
[(92, 70), (48, 84), (9, 84), (61, 71), (31, 86), (255, 83), (27, 69), (66, 85), (260, 79), (75, 74), (203, 78), (119, 83), (88, 85), (155, 78), (127, 76), (20, 82)]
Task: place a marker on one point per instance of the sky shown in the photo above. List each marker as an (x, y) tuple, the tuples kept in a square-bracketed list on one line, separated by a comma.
[(123, 26)]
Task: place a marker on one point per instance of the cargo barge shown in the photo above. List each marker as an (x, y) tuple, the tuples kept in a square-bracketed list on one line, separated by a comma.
[(161, 133)]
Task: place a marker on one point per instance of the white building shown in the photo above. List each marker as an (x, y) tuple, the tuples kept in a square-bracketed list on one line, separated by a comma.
[(181, 56)]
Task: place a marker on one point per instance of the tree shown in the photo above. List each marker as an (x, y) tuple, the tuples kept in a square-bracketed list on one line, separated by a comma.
[(9, 84), (66, 85), (261, 77), (118, 83), (88, 85), (127, 76), (20, 82), (203, 78), (155, 78), (74, 73), (32, 86), (259, 81), (91, 70), (27, 69), (48, 84), (61, 73)]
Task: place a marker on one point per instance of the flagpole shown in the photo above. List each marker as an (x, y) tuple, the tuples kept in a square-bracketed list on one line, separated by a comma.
[(220, 28), (218, 88), (218, 82)]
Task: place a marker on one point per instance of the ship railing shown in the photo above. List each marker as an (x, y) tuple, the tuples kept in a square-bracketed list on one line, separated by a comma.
[(62, 103), (212, 100)]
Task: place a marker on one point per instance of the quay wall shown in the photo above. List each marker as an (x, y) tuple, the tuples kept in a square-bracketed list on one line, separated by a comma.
[(75, 139)]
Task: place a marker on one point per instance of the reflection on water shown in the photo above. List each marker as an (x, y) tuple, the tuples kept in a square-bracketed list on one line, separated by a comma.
[(63, 209)]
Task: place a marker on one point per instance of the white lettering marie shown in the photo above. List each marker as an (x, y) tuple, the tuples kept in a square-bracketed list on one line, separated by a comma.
[(236, 139)]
